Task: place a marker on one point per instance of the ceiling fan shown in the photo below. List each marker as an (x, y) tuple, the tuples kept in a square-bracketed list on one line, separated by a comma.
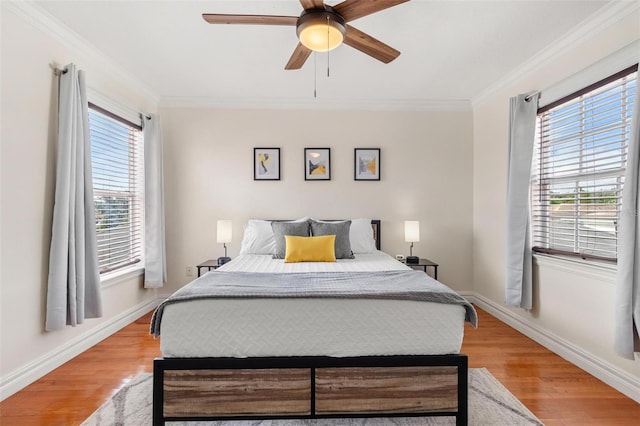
[(322, 28)]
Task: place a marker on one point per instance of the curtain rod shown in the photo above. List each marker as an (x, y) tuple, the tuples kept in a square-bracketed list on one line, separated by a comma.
[(59, 71), (531, 95)]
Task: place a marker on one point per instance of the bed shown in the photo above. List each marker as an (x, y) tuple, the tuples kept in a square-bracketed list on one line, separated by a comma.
[(311, 339)]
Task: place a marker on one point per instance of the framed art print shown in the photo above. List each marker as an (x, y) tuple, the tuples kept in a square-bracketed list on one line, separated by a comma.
[(266, 163), (367, 164), (317, 164)]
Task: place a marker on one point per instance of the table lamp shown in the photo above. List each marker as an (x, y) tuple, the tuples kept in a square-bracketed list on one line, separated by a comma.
[(412, 235), (224, 237)]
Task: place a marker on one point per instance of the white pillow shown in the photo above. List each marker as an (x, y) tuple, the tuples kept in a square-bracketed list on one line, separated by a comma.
[(361, 236), (258, 238)]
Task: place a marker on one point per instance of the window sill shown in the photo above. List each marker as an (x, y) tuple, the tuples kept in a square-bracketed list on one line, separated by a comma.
[(114, 278), (605, 271)]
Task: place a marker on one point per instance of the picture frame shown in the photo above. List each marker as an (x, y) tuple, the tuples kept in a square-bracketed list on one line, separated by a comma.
[(317, 164), (266, 163), (366, 164)]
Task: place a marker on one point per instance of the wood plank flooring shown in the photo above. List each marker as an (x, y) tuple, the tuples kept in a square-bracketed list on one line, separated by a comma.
[(553, 389), (556, 391)]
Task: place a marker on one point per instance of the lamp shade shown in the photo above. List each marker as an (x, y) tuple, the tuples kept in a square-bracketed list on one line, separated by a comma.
[(411, 231), (320, 31), (224, 231)]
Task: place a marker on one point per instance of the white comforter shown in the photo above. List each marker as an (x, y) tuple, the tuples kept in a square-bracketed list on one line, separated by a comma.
[(305, 327)]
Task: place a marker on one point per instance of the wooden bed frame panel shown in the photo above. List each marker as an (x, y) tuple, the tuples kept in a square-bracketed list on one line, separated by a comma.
[(310, 387), (236, 392), (386, 390)]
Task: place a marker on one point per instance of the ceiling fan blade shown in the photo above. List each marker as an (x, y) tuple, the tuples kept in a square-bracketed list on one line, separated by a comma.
[(312, 4), (354, 9), (298, 58), (369, 45), (216, 18)]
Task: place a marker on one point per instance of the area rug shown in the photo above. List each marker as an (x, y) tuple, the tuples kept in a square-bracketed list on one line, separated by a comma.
[(490, 404)]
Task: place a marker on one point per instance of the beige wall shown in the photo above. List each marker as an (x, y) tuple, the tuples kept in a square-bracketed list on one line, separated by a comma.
[(27, 178), (426, 169), (573, 302), (426, 175)]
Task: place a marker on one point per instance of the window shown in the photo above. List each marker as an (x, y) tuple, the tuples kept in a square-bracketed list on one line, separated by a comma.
[(578, 172), (118, 187)]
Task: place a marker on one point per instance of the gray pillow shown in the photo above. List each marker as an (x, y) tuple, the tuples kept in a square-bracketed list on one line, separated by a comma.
[(280, 229), (341, 231)]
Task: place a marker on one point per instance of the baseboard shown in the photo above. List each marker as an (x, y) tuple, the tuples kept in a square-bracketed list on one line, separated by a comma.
[(37, 368), (597, 367)]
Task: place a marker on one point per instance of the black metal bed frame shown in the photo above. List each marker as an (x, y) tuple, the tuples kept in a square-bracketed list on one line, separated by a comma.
[(460, 361)]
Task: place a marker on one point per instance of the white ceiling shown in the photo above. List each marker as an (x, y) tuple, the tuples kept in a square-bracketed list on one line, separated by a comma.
[(451, 50)]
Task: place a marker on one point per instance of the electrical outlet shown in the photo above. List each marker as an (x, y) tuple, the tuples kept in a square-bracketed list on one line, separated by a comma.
[(190, 271)]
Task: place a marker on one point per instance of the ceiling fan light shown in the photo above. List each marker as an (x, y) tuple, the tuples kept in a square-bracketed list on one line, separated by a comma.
[(321, 31)]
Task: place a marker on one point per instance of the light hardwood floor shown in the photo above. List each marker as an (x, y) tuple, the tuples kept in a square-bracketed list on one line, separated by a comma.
[(553, 389)]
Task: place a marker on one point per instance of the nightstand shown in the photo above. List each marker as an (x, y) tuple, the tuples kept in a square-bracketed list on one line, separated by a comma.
[(424, 264), (209, 264)]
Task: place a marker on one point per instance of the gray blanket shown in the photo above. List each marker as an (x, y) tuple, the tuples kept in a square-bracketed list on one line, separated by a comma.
[(399, 285)]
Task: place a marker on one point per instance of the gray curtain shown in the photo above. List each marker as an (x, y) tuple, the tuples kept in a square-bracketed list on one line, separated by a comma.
[(155, 267), (73, 291), (627, 311), (522, 121)]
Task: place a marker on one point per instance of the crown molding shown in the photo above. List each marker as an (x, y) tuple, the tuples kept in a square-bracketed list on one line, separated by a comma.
[(317, 104), (604, 18), (40, 19)]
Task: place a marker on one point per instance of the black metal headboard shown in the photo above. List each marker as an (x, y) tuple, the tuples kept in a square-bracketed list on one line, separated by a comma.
[(375, 224)]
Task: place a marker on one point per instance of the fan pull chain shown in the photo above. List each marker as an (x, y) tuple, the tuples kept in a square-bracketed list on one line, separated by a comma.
[(315, 74), (327, 45)]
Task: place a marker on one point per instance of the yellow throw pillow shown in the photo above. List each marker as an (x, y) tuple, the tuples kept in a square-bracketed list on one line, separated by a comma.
[(310, 249)]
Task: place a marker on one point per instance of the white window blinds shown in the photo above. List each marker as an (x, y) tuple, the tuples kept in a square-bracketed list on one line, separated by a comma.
[(579, 161), (118, 185)]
